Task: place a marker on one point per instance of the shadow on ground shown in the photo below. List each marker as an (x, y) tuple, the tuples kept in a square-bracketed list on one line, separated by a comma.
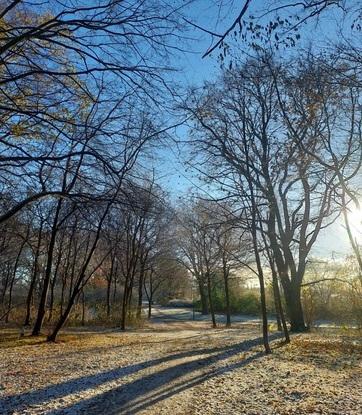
[(141, 393)]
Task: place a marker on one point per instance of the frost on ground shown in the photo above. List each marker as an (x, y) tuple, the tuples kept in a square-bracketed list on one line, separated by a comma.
[(181, 368)]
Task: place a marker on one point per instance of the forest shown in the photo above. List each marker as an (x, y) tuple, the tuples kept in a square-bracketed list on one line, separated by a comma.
[(180, 211)]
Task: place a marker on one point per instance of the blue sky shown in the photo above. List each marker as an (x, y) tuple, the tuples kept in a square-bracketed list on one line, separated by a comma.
[(193, 70)]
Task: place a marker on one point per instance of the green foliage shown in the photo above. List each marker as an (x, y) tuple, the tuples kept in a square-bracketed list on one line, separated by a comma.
[(249, 303), (241, 301)]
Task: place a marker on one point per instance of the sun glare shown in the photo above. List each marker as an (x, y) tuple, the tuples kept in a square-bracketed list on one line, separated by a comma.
[(355, 222)]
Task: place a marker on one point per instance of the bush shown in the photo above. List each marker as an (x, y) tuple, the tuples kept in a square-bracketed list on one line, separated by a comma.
[(241, 302), (179, 303), (249, 303)]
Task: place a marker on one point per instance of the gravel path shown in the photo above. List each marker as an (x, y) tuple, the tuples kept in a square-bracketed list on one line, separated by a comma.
[(181, 368)]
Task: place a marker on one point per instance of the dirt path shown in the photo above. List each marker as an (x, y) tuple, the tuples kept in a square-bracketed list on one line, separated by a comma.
[(181, 368)]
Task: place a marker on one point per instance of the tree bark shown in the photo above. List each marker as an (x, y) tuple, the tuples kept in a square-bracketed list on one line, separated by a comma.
[(278, 304), (211, 304), (33, 277), (140, 291), (6, 283), (115, 289), (203, 298), (149, 308), (124, 306), (44, 294), (264, 314), (291, 286), (54, 281), (227, 299), (253, 229), (294, 307), (227, 292), (12, 280), (63, 318), (10, 300), (81, 281), (51, 299)]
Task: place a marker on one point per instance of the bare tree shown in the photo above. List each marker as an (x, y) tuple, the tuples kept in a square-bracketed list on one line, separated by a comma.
[(249, 149), (279, 23), (56, 75)]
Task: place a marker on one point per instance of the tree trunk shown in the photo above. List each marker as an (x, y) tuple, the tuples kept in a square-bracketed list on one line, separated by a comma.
[(79, 285), (264, 314), (63, 318), (278, 304), (51, 300), (291, 286), (30, 296), (33, 276), (109, 285), (44, 294), (227, 294), (140, 292), (277, 315), (5, 283), (294, 306), (211, 304), (149, 308), (129, 301), (203, 298), (124, 307), (54, 280), (115, 289), (227, 299), (10, 300), (12, 282), (253, 229), (149, 294)]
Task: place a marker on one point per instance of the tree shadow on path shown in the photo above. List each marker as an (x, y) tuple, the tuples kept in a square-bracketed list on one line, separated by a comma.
[(138, 394)]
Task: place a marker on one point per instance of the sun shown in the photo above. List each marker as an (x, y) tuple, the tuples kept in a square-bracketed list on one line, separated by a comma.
[(355, 222)]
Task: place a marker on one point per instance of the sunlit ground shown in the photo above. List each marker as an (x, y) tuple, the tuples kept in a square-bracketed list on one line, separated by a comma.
[(181, 368)]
